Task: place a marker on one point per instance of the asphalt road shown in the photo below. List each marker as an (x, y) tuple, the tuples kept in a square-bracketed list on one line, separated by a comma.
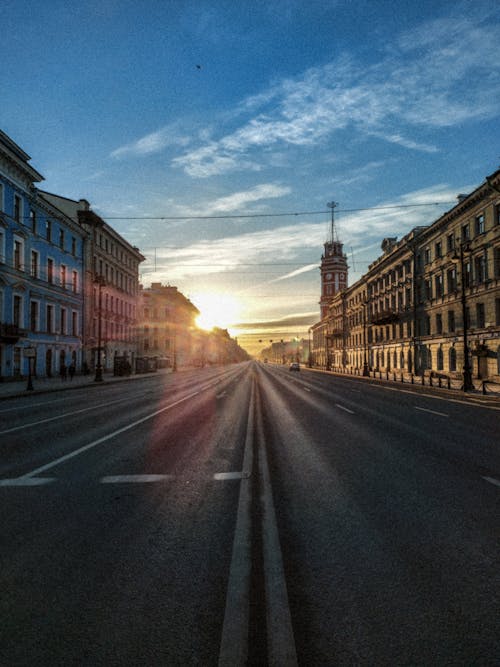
[(249, 515)]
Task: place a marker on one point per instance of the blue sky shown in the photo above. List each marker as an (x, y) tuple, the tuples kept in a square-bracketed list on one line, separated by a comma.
[(189, 109)]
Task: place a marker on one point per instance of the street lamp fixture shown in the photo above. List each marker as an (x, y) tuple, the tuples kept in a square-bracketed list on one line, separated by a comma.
[(99, 280), (459, 259)]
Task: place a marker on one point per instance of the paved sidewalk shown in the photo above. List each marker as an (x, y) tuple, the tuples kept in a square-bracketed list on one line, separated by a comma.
[(9, 389)]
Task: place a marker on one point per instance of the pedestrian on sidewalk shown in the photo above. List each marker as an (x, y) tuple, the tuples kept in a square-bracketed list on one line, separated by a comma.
[(63, 371), (72, 370)]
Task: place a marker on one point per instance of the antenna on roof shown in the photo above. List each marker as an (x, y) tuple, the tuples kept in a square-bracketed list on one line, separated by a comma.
[(333, 234)]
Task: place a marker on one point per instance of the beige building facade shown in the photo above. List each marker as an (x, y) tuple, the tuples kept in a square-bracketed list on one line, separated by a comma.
[(407, 313)]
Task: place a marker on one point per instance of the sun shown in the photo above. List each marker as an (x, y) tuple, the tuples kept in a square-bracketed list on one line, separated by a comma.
[(216, 310)]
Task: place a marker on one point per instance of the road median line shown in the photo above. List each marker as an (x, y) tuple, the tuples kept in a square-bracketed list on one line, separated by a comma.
[(280, 638), (234, 641)]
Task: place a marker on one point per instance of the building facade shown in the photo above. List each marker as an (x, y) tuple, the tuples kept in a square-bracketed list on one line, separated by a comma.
[(166, 327), (431, 302), (111, 288), (41, 274)]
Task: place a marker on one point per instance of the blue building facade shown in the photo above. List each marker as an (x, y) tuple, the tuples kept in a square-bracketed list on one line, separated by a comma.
[(41, 274)]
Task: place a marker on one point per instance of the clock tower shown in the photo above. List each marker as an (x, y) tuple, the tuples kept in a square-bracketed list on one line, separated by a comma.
[(333, 268)]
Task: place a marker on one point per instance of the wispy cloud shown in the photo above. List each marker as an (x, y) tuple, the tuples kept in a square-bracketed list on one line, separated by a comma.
[(444, 74), (152, 143), (237, 201), (297, 272)]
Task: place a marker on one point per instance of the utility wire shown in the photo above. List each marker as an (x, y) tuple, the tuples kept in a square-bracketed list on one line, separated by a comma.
[(271, 215)]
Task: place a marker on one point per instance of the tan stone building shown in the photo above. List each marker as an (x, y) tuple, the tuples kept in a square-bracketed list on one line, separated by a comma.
[(167, 329), (407, 313)]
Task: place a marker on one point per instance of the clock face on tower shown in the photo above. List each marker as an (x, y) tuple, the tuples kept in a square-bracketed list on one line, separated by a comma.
[(328, 276)]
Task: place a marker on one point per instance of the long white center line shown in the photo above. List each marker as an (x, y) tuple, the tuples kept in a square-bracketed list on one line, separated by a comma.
[(432, 412)]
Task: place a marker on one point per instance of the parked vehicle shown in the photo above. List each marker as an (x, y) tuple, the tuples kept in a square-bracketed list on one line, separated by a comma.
[(294, 366)]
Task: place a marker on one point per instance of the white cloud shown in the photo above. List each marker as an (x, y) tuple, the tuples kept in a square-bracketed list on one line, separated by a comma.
[(152, 143), (238, 200), (443, 74)]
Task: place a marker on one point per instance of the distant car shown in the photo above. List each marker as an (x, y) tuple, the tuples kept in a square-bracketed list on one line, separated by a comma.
[(294, 367)]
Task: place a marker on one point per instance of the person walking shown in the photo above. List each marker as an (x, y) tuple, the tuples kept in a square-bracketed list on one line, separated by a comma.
[(63, 371), (72, 370)]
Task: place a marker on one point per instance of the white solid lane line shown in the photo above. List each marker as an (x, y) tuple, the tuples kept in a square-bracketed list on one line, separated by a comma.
[(231, 475), (99, 441), (118, 479), (432, 412), (64, 414), (337, 405), (492, 480)]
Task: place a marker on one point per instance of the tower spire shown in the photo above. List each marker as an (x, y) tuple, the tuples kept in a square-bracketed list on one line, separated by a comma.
[(333, 233)]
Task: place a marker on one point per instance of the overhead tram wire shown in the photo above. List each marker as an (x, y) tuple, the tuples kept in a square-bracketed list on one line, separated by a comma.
[(273, 215)]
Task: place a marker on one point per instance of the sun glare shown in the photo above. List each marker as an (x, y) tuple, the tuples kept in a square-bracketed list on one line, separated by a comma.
[(216, 310)]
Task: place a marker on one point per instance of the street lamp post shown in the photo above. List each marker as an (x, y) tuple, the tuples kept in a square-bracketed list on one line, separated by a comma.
[(366, 372), (99, 280), (467, 371)]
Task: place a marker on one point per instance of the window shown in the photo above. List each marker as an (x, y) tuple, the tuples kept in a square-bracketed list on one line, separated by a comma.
[(480, 268), (34, 315), (50, 270), (74, 282), (497, 312), (479, 224), (48, 230), (2, 246), (496, 264), (439, 323), (438, 282), (480, 318), (64, 322), (61, 239), (428, 289), (465, 232), (451, 320), (17, 208), (439, 360), (34, 264), (74, 323), (73, 246), (497, 213), (1, 197), (50, 319), (427, 256), (450, 242), (438, 250), (33, 221), (18, 253), (452, 359), (63, 276), (451, 279), (17, 310)]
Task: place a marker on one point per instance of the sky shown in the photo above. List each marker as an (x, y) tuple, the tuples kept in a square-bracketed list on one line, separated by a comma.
[(212, 135)]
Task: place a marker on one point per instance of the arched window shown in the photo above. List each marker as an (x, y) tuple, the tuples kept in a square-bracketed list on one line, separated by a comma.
[(388, 360), (452, 359), (402, 359), (440, 359), (395, 359), (410, 365), (429, 358)]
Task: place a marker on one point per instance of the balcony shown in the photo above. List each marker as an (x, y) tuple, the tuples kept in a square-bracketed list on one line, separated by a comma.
[(384, 317), (10, 333)]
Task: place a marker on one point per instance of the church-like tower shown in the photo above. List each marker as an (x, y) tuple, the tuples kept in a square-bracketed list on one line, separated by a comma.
[(333, 267)]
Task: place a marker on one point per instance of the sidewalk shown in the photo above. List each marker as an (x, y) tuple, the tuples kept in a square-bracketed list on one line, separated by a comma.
[(45, 385)]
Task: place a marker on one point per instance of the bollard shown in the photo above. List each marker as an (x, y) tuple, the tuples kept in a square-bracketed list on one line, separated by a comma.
[(423, 378), (430, 380), (439, 382), (412, 378), (449, 383)]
